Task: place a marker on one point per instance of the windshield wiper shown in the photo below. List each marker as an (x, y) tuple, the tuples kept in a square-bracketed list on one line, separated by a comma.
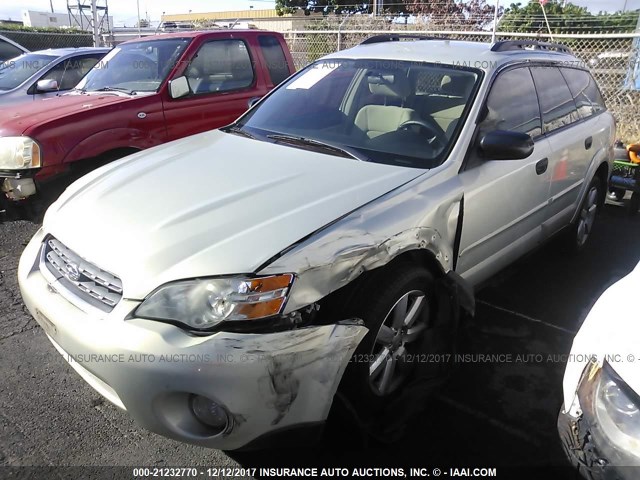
[(334, 149), (114, 89), (235, 129)]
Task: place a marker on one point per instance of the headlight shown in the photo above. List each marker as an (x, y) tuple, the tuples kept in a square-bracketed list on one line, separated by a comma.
[(17, 153), (612, 408), (203, 304), (617, 404)]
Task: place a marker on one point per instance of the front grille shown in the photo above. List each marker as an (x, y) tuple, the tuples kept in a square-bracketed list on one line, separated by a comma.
[(82, 280)]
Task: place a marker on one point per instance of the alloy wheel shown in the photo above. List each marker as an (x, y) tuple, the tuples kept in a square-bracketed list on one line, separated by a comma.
[(587, 216), (402, 326)]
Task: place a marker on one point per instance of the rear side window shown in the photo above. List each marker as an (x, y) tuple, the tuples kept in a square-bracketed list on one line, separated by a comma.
[(585, 92), (556, 102), (274, 56), (8, 51), (512, 104)]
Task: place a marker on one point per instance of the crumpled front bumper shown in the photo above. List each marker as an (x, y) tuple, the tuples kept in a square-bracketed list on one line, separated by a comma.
[(590, 454), (266, 382)]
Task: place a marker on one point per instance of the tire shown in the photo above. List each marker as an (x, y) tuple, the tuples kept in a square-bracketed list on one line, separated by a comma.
[(580, 232), (383, 365)]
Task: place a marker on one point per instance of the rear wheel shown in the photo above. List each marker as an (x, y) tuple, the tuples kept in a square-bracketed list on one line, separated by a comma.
[(579, 234)]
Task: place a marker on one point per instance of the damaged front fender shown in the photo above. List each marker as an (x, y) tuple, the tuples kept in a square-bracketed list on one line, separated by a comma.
[(421, 216)]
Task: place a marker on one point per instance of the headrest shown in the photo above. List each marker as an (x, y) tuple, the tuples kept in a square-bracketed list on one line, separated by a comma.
[(457, 85), (389, 84)]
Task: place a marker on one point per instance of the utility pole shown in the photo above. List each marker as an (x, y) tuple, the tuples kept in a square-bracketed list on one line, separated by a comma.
[(377, 7), (138, 4), (91, 16), (51, 3), (495, 22), (96, 26)]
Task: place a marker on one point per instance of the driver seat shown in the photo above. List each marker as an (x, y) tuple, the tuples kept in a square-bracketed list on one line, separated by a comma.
[(376, 120)]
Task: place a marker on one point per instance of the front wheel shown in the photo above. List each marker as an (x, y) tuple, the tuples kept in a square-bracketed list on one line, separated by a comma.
[(389, 377)]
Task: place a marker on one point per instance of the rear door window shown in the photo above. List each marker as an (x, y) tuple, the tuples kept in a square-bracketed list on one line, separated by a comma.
[(585, 92), (273, 54), (556, 101)]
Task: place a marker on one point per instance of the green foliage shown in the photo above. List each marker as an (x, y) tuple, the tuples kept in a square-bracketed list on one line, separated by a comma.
[(474, 13), (564, 18), (20, 28), (312, 6)]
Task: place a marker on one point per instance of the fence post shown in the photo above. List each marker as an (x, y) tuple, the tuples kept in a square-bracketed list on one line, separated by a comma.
[(340, 31)]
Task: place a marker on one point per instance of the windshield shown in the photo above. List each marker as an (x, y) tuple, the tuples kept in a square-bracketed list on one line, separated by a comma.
[(395, 112), (15, 71), (135, 67)]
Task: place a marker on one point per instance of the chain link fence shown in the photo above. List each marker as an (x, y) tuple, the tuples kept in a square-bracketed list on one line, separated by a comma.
[(611, 57), (42, 40)]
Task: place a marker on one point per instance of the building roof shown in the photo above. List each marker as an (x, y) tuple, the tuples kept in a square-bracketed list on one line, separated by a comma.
[(225, 15)]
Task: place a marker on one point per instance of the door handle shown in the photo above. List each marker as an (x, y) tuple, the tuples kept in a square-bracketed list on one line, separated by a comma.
[(588, 142), (542, 165)]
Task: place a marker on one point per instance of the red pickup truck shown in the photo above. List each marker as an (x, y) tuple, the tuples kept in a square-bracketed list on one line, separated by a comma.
[(143, 93)]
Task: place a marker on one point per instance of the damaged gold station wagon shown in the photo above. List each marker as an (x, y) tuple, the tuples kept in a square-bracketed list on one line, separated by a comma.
[(246, 275)]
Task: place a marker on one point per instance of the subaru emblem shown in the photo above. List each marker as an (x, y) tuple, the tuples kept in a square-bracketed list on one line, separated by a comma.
[(73, 273)]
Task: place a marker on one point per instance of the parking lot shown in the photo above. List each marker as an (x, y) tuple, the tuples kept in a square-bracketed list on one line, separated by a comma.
[(492, 413)]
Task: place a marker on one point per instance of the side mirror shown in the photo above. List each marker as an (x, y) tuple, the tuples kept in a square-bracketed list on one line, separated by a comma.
[(179, 87), (504, 145), (253, 101), (47, 86)]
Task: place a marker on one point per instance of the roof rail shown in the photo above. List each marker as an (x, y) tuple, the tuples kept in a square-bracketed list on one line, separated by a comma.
[(395, 37), (507, 45)]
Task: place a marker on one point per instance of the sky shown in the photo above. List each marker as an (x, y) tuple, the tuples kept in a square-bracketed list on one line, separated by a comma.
[(124, 11)]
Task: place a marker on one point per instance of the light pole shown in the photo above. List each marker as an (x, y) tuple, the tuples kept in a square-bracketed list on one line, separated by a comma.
[(495, 22), (139, 30)]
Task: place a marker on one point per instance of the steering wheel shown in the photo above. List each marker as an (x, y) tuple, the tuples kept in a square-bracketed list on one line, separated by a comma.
[(438, 138)]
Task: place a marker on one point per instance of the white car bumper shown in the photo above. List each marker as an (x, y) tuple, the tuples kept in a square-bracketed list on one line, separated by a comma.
[(265, 382)]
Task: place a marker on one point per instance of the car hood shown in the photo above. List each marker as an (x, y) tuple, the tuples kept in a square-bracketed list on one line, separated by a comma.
[(611, 329), (211, 204), (17, 119)]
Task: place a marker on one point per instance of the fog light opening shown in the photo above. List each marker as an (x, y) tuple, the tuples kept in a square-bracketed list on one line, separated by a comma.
[(209, 413)]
